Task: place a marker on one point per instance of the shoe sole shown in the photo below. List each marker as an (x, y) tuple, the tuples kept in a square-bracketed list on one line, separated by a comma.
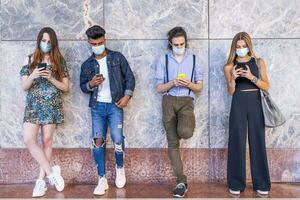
[(120, 187), (234, 192), (102, 193), (263, 194), (35, 196)]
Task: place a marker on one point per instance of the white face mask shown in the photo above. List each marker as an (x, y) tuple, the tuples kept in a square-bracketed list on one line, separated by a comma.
[(242, 52), (178, 51), (98, 49)]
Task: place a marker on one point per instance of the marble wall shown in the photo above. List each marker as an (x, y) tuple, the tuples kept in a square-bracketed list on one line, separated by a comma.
[(138, 29)]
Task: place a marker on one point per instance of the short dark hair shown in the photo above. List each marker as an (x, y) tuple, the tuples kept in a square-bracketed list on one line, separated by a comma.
[(177, 31), (95, 32)]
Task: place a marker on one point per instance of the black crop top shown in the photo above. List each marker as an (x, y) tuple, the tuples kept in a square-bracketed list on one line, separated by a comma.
[(242, 83)]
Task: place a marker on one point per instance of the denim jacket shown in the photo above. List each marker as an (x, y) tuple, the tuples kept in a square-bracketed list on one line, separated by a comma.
[(121, 78)]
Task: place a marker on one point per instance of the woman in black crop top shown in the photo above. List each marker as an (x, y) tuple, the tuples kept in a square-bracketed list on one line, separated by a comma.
[(246, 116)]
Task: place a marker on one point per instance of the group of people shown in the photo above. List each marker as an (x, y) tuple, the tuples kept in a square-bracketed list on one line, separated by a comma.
[(107, 77)]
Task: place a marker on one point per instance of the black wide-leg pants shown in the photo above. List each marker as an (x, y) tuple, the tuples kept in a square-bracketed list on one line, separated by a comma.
[(246, 115)]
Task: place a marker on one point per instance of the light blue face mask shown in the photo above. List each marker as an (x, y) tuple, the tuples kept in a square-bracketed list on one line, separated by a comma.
[(46, 48), (178, 51), (98, 49), (242, 52)]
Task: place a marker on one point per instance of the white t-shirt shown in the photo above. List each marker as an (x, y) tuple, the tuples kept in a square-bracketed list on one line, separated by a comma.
[(104, 94)]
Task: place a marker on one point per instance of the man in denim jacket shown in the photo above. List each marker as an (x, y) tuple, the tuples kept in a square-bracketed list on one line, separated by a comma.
[(107, 77)]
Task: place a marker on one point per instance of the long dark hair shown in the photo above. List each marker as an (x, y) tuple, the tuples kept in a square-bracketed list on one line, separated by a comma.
[(55, 56)]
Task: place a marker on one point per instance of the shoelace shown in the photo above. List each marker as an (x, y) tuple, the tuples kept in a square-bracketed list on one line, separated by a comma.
[(53, 181)]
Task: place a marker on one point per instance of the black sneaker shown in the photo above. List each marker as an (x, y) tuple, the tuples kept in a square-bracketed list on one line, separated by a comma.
[(180, 190)]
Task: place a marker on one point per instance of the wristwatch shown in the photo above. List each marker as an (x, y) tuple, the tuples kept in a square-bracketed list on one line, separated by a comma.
[(254, 80)]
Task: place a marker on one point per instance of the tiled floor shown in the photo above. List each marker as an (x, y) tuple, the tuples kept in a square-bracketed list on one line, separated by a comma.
[(161, 190)]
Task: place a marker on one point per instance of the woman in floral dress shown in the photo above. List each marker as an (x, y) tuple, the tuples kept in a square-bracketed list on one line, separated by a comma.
[(45, 78)]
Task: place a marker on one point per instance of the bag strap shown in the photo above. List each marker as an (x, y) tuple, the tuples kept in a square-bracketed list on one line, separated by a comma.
[(194, 63), (29, 62), (29, 59), (257, 60), (263, 92)]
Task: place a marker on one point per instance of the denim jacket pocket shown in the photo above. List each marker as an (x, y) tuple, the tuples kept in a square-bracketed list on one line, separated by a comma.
[(89, 72)]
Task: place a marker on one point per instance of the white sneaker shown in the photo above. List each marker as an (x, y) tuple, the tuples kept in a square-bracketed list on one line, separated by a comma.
[(235, 192), (39, 188), (56, 179), (261, 192), (101, 187), (120, 177)]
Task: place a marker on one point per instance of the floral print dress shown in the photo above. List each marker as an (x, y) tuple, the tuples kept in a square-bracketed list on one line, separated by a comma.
[(44, 104)]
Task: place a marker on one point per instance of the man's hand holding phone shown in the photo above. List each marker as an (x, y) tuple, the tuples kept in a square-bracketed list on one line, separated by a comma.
[(96, 80)]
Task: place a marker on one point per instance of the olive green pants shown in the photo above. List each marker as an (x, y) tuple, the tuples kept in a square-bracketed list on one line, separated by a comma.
[(179, 123)]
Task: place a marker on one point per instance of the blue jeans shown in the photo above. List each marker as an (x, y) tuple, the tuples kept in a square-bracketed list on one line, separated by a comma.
[(106, 115)]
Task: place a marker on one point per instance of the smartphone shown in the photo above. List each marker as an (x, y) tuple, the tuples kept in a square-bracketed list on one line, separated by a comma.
[(241, 66), (42, 66), (99, 75), (181, 76)]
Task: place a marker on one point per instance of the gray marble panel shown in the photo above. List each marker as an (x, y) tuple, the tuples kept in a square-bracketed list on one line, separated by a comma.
[(260, 18), (143, 127), (282, 60), (151, 19), (219, 100), (13, 56), (1, 118), (75, 132), (23, 19)]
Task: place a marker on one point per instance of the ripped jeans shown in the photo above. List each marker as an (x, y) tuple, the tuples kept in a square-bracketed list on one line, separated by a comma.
[(106, 115)]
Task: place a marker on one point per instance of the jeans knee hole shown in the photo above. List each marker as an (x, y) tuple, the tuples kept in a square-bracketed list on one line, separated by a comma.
[(98, 142), (118, 148)]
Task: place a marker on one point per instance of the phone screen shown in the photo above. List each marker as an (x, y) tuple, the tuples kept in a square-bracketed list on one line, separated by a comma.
[(241, 66), (42, 66)]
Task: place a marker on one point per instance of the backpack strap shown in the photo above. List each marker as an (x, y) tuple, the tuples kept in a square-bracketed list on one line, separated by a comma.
[(194, 63)]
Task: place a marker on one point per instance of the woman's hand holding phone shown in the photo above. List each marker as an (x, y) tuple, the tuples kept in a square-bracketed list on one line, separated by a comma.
[(236, 71), (36, 73), (247, 73), (46, 74)]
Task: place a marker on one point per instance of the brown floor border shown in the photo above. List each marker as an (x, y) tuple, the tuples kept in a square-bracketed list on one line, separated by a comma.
[(143, 165)]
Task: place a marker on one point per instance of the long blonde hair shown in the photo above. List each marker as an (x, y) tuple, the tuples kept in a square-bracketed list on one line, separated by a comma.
[(240, 36)]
